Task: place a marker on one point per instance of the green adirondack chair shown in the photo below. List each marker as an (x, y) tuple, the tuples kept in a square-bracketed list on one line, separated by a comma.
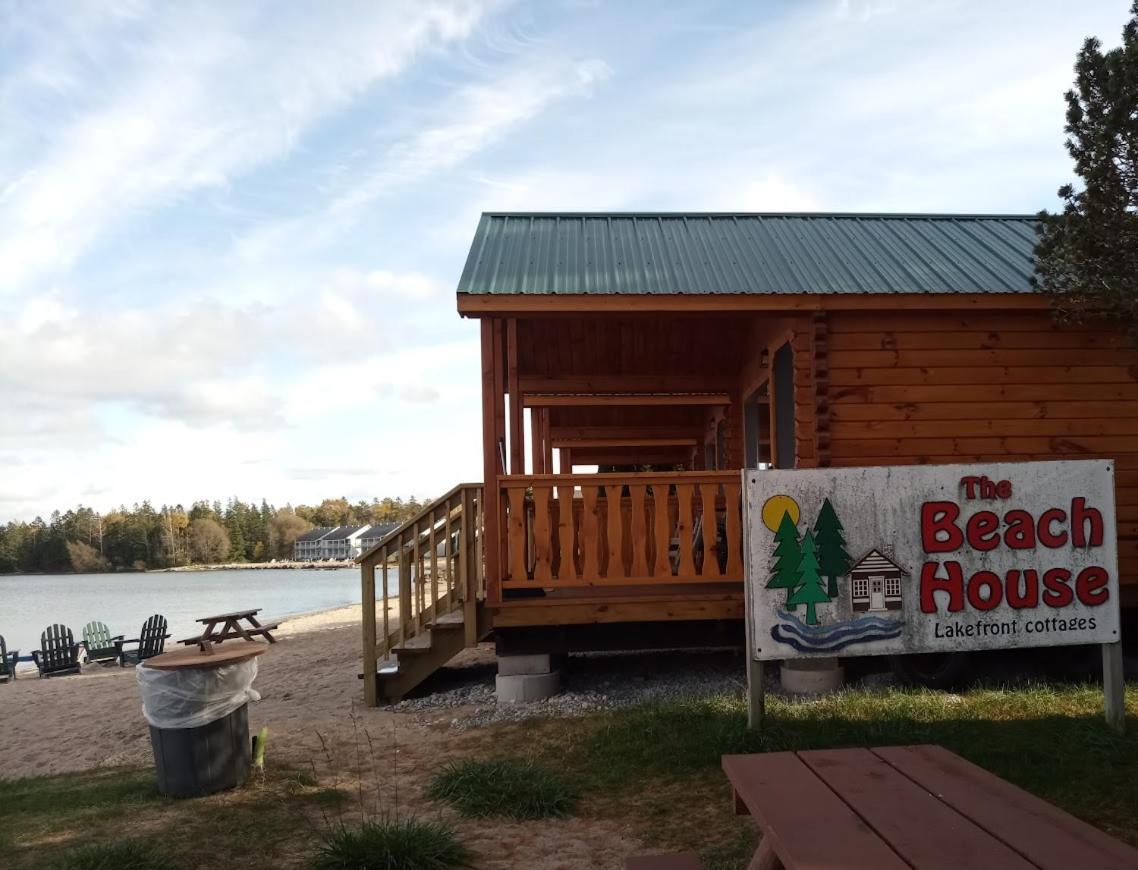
[(99, 643), (58, 652), (7, 662), (150, 642)]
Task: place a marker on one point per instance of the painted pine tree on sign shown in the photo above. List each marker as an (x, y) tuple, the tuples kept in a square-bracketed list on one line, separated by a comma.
[(811, 589), (787, 557), (832, 556)]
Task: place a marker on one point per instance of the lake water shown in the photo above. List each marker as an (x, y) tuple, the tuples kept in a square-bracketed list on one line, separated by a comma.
[(29, 603)]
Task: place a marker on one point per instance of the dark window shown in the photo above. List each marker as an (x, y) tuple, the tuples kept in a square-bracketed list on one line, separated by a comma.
[(757, 426), (784, 407)]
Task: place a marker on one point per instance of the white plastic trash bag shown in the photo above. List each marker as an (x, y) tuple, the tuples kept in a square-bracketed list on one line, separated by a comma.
[(192, 697)]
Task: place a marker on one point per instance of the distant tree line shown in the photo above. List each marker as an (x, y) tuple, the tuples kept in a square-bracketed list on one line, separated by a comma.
[(145, 537)]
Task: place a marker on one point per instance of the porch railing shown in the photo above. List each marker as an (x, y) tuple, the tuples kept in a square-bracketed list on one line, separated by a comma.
[(435, 561), (569, 530)]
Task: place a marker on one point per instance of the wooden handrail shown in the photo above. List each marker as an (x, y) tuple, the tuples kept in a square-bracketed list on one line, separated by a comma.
[(438, 556), (525, 480), (426, 510)]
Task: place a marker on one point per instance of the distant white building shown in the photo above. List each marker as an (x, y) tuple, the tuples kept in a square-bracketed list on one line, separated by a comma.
[(307, 546), (338, 542), (375, 534)]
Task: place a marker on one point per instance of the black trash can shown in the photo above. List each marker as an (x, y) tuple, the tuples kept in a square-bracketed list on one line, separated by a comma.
[(196, 703), (192, 762)]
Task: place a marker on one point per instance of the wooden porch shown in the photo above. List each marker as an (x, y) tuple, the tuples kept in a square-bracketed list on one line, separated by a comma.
[(612, 495)]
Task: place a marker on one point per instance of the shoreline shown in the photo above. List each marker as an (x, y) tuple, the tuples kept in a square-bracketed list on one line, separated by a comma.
[(279, 565)]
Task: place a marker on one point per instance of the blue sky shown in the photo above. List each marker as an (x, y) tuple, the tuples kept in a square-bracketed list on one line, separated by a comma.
[(230, 232)]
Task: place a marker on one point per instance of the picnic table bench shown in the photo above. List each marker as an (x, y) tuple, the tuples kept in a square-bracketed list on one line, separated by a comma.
[(231, 627), (906, 806)]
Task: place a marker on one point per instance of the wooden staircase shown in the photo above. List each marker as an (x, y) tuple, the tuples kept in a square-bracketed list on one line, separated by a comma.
[(435, 561)]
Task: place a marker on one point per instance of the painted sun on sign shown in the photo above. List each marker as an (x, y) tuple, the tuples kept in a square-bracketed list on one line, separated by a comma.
[(809, 567)]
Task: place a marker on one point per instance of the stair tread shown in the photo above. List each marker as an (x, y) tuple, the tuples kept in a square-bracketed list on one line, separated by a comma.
[(450, 620)]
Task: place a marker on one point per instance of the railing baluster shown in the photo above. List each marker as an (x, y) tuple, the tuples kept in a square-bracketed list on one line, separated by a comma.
[(589, 537), (615, 569), (731, 496), (386, 605), (419, 584), (709, 523), (567, 566), (448, 550), (434, 545), (406, 595), (543, 562), (517, 534), (639, 531), (684, 530), (662, 566)]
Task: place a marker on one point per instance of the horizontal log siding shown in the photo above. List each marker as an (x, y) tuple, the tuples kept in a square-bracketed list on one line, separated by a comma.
[(942, 387)]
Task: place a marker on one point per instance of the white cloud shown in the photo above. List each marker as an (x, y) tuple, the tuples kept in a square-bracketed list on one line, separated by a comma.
[(209, 93), (468, 122), (480, 115)]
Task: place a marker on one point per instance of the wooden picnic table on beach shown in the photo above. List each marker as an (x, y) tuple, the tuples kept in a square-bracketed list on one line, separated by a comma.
[(231, 628), (906, 806)]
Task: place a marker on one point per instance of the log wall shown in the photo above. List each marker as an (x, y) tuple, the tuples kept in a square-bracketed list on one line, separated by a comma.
[(941, 387)]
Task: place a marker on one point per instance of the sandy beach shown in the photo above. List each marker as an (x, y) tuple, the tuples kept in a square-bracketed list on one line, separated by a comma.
[(311, 697)]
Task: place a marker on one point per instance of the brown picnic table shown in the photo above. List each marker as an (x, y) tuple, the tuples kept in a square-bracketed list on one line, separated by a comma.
[(231, 628), (903, 807)]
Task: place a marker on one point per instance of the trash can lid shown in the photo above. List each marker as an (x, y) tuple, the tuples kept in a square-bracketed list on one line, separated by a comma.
[(192, 657)]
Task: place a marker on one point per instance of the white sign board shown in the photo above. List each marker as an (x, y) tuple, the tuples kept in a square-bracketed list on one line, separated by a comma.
[(930, 558)]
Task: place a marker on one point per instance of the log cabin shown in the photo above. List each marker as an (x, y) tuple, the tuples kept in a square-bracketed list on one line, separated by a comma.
[(633, 364)]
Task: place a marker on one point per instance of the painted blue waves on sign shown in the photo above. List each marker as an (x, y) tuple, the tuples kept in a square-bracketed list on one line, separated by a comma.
[(792, 631)]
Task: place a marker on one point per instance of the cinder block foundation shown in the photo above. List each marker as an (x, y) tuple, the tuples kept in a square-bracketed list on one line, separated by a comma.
[(509, 666), (812, 676), (521, 688)]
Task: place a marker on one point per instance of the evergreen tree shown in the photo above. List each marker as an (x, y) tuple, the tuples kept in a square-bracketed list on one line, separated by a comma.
[(832, 555), (811, 590), (786, 556), (1087, 256)]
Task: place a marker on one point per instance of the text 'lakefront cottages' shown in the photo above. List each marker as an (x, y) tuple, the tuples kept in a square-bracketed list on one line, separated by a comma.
[(633, 364)]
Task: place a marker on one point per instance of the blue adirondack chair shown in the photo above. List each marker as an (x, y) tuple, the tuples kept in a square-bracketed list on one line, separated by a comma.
[(58, 652), (150, 642), (7, 662), (99, 643)]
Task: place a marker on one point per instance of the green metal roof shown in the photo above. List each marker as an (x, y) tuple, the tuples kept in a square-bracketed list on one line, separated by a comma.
[(641, 253)]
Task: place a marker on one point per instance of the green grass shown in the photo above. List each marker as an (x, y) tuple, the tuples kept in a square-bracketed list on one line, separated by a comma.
[(407, 844), (506, 787), (657, 767), (45, 820), (124, 855), (76, 800)]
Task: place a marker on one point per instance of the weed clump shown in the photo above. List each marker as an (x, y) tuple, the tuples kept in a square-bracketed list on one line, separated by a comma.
[(389, 844), (508, 787), (122, 855)]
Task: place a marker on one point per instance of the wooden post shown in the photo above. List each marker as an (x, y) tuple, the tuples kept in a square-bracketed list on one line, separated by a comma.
[(1114, 685), (491, 501), (367, 590), (546, 443), (537, 455), (468, 568), (516, 421)]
